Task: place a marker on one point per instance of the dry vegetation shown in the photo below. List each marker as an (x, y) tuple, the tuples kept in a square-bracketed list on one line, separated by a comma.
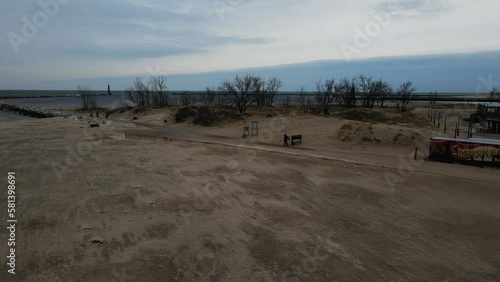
[(206, 116), (381, 115)]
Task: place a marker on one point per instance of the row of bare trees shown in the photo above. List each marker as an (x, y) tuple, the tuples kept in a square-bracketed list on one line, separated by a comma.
[(152, 93), (324, 97), (347, 92), (244, 91), (403, 95), (247, 90)]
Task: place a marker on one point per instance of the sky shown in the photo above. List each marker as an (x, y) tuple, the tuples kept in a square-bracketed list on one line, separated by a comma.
[(56, 44)]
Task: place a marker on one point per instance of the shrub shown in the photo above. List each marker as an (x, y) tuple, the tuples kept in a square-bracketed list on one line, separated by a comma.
[(366, 115), (205, 116), (184, 113)]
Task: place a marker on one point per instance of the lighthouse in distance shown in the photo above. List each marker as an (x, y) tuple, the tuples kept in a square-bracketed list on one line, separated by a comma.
[(109, 90)]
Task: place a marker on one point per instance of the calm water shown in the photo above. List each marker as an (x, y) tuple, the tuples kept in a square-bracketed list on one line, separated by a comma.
[(70, 100)]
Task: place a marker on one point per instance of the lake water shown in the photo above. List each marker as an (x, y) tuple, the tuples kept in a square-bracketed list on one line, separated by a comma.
[(53, 99)]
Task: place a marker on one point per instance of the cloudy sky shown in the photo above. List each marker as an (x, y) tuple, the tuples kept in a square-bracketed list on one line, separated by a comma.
[(47, 41)]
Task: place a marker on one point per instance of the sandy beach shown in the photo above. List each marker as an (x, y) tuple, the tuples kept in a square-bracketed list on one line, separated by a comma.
[(204, 204)]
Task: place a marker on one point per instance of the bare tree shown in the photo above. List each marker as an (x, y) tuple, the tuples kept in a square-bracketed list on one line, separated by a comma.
[(88, 100), (188, 99), (378, 92), (139, 93), (304, 99), (272, 87), (403, 94), (385, 92), (324, 96), (374, 93), (432, 97), (494, 93), (285, 103), (365, 87), (209, 97), (243, 91), (368, 90), (347, 89), (158, 85), (371, 90)]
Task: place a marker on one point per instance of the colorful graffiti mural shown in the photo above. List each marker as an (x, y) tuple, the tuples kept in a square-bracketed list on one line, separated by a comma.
[(484, 152)]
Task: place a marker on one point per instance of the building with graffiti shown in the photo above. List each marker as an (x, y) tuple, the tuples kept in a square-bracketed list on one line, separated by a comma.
[(484, 152)]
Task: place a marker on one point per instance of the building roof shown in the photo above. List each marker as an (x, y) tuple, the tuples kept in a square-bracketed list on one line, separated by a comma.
[(482, 141)]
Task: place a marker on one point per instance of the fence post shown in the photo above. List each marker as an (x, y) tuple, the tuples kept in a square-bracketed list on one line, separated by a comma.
[(445, 120)]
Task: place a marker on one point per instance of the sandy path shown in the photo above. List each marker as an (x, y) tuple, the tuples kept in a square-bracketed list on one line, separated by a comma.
[(186, 211), (399, 161)]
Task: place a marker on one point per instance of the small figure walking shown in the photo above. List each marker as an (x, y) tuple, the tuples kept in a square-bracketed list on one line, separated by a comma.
[(286, 140)]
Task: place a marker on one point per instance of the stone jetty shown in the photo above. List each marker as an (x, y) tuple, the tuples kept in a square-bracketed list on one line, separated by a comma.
[(44, 113)]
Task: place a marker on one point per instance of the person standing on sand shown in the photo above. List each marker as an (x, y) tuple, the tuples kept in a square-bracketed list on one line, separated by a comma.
[(285, 140)]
